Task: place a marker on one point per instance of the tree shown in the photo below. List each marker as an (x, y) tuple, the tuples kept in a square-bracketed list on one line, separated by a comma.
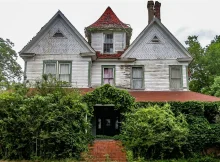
[(214, 88), (198, 78), (205, 65), (10, 70)]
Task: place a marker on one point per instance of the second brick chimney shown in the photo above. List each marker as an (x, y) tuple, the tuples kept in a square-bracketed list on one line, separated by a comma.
[(157, 9)]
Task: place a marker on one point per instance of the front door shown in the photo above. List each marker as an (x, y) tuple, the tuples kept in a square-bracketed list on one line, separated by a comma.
[(107, 120)]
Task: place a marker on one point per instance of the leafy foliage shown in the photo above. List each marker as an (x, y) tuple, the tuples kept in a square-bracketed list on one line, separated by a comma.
[(203, 124), (214, 89), (10, 70), (107, 94), (154, 132), (205, 66), (48, 126)]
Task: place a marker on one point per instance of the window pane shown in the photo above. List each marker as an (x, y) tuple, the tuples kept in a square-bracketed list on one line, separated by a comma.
[(108, 73), (108, 76), (175, 78), (175, 72), (137, 72), (64, 68), (50, 68), (109, 81), (137, 83), (175, 83), (108, 38), (108, 48), (64, 72)]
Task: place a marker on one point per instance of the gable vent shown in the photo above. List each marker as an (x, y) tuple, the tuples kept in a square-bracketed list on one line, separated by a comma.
[(155, 40), (58, 34)]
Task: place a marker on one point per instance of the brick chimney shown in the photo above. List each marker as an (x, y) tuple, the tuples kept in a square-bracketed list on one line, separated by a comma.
[(150, 7), (157, 9)]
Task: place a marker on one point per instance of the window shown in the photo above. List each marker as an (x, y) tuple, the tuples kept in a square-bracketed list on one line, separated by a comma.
[(58, 34), (137, 78), (108, 43), (176, 77), (58, 69), (108, 75), (155, 40)]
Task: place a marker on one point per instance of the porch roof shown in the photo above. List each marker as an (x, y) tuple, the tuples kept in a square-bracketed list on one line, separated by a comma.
[(166, 96)]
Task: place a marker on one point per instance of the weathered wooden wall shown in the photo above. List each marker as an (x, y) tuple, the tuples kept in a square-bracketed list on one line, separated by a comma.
[(156, 74)]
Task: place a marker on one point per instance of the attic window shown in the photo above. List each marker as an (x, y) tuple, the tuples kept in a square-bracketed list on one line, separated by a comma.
[(155, 40), (58, 34)]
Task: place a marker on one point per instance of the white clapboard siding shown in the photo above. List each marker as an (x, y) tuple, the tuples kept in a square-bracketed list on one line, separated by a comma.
[(79, 68), (156, 74), (119, 41), (97, 41)]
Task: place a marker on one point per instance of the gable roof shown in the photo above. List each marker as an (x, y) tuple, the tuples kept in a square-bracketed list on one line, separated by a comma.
[(166, 31), (48, 24), (109, 20)]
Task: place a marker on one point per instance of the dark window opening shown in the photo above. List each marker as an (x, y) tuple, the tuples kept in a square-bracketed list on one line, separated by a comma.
[(155, 40), (58, 34), (108, 43)]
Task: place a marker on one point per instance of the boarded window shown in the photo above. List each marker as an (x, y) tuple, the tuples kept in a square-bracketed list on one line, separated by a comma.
[(108, 43), (64, 72), (137, 77), (108, 75), (176, 77)]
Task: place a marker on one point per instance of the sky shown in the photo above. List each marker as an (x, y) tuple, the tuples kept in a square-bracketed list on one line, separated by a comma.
[(20, 20)]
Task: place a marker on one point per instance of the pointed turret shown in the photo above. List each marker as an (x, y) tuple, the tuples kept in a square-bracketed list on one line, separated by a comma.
[(109, 23)]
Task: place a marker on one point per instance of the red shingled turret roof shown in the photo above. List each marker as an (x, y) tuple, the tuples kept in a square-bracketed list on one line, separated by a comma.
[(108, 20)]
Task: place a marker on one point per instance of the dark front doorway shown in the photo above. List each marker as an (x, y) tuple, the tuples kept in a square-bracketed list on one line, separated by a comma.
[(107, 120)]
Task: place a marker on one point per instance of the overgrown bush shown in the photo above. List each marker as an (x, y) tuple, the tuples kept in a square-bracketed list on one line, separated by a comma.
[(154, 132), (46, 125)]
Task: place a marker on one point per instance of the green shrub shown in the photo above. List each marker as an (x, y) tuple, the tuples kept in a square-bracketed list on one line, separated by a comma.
[(154, 132), (51, 126)]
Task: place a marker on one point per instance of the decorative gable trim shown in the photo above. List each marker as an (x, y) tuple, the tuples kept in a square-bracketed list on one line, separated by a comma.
[(46, 27), (165, 30)]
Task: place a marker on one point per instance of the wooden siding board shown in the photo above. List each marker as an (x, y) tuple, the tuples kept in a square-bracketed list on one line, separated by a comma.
[(156, 73)]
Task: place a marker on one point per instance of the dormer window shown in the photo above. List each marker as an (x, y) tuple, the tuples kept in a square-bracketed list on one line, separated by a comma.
[(108, 43)]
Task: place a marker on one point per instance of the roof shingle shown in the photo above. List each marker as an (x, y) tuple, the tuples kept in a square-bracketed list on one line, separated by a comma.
[(108, 20)]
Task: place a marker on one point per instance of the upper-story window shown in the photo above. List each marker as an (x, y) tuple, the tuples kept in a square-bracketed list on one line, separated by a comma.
[(58, 69), (108, 43), (176, 77), (137, 79), (108, 75)]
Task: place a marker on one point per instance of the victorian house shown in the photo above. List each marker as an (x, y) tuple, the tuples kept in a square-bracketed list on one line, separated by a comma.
[(154, 67)]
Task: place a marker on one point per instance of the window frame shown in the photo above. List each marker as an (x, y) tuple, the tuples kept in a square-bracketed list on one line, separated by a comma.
[(57, 64), (102, 73), (113, 43), (143, 79), (181, 77)]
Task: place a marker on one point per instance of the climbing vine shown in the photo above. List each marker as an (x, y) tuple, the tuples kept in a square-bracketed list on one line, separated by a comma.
[(108, 94)]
